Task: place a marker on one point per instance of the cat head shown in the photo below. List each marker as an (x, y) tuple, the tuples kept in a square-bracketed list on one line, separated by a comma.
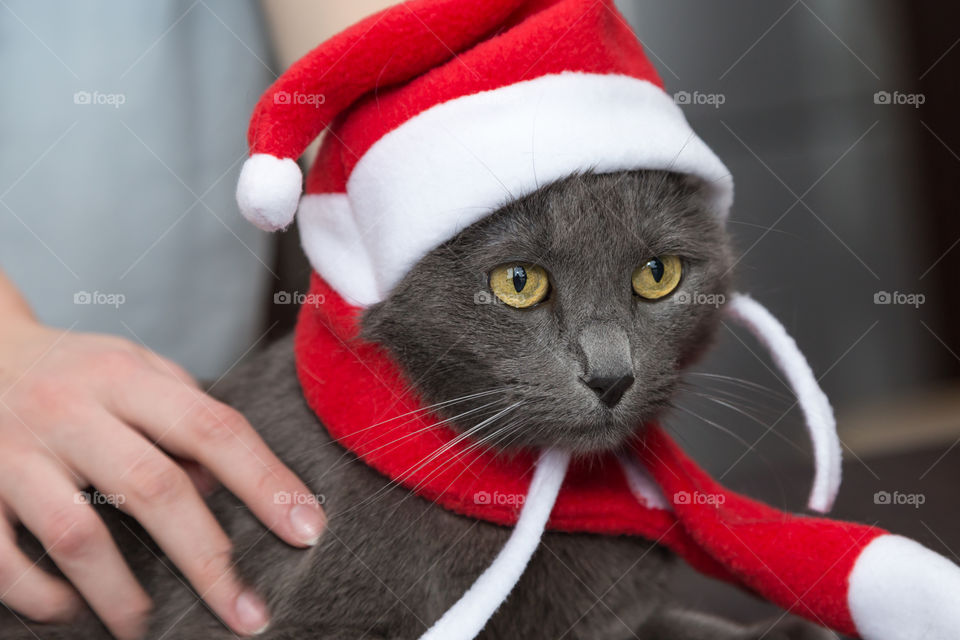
[(566, 317)]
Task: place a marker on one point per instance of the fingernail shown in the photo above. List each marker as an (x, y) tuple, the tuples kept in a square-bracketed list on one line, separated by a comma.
[(308, 523), (252, 613)]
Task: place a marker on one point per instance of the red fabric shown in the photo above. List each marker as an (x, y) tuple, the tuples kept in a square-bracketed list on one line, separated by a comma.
[(383, 71), (387, 48), (797, 562), (567, 35), (800, 563)]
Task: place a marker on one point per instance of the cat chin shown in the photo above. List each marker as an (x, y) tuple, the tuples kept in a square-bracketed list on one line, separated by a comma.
[(598, 441), (578, 439), (604, 431)]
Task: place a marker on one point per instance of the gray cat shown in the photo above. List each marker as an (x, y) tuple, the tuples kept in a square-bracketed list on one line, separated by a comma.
[(590, 363)]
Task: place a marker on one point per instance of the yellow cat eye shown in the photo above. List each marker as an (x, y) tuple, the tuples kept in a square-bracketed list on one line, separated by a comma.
[(519, 285), (657, 277)]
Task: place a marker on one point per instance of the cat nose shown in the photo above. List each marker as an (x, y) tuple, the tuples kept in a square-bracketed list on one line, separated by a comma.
[(609, 388), (608, 365)]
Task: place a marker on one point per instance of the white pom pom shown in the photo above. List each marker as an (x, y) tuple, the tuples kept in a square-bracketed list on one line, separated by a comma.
[(269, 190), (900, 589)]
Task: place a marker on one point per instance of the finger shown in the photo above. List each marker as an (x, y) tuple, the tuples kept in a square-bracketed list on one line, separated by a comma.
[(78, 542), (158, 493), (31, 591), (170, 368), (193, 425)]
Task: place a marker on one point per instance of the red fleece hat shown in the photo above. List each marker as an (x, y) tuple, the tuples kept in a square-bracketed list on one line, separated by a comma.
[(440, 111)]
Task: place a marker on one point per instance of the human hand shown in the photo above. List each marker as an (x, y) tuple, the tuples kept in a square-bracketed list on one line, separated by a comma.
[(79, 410)]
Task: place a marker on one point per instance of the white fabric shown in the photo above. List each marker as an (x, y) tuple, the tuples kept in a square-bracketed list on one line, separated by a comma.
[(900, 590), (328, 229), (465, 619), (268, 190), (642, 485), (813, 402), (459, 161)]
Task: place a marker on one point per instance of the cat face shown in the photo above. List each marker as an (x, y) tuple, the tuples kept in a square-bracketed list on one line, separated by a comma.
[(566, 317)]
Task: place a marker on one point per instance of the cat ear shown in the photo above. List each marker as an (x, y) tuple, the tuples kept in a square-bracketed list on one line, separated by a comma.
[(816, 408)]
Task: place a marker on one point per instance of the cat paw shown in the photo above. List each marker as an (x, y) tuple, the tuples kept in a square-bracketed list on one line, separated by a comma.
[(789, 628)]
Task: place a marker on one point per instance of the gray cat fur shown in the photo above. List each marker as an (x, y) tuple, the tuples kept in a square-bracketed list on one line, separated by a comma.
[(391, 563)]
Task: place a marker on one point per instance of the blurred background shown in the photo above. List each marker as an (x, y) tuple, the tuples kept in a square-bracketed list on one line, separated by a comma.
[(836, 120)]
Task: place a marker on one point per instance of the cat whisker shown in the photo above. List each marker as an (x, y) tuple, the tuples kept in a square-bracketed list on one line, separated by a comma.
[(748, 446), (741, 382), (396, 441), (463, 436), (753, 418), (717, 426), (403, 477), (434, 425), (720, 394), (436, 405), (411, 415), (473, 446)]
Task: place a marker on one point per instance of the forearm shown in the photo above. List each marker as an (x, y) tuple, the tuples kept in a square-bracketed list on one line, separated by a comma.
[(13, 306), (297, 26)]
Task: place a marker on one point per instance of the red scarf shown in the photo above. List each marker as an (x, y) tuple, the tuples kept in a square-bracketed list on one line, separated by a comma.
[(802, 564)]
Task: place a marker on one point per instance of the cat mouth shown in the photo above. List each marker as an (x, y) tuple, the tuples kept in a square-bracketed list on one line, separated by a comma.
[(579, 414)]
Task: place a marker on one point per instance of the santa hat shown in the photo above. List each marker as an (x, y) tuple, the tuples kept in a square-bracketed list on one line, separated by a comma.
[(439, 112)]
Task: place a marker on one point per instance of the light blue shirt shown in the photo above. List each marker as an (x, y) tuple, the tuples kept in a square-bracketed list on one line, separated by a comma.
[(122, 131)]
